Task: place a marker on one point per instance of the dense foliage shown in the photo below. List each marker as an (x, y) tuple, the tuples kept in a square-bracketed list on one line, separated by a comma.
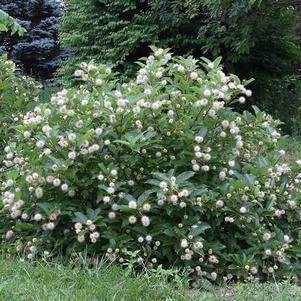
[(160, 170), (38, 52), (16, 91), (255, 38)]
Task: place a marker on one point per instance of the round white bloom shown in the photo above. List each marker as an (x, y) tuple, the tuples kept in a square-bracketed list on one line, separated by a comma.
[(132, 219), (72, 155), (140, 239), (193, 75), (159, 74), (78, 226), (111, 215), (50, 226), (64, 187), (199, 139), (219, 204), (107, 142), (145, 221), (241, 99), (243, 210), (40, 144), (207, 93), (286, 238), (81, 238), (184, 243), (266, 236), (98, 131), (110, 190), (132, 204), (26, 134), (163, 185), (106, 199), (195, 167), (56, 182), (213, 276), (39, 192), (146, 207), (37, 217), (114, 172)]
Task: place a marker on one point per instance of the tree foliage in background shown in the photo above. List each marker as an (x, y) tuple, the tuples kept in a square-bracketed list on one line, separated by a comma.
[(255, 38), (38, 52)]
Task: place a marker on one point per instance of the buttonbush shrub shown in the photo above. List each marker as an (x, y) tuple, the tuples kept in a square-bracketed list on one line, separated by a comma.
[(17, 92), (157, 171)]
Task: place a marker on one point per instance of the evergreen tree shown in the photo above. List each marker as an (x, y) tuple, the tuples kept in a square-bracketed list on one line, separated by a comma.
[(38, 52)]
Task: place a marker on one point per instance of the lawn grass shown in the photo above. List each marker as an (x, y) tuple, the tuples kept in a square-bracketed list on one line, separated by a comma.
[(25, 281)]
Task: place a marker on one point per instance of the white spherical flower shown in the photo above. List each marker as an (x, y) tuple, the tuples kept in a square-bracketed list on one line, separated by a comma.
[(205, 168), (266, 236), (100, 177), (50, 226), (195, 167), (199, 139), (198, 245), (146, 207), (37, 217), (132, 204), (231, 163), (98, 131), (173, 198), (222, 175), (98, 82), (40, 144), (207, 93), (286, 238), (72, 137), (219, 204), (27, 134), (193, 75), (248, 93), (140, 239), (110, 190), (81, 238), (56, 182), (213, 276), (163, 185), (132, 219), (114, 172), (241, 99), (111, 215), (148, 238), (243, 210), (107, 142), (106, 199), (270, 270), (181, 68), (184, 243), (145, 221), (72, 155), (64, 187), (9, 234), (39, 192), (159, 52), (159, 74), (78, 226)]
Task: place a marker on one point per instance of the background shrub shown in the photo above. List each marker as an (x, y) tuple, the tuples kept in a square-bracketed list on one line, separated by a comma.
[(38, 51), (159, 170)]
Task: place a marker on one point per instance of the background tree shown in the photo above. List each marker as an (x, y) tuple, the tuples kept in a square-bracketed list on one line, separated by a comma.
[(38, 52), (256, 38)]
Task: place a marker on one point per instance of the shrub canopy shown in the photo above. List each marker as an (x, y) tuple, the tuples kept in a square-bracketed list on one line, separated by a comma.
[(159, 170)]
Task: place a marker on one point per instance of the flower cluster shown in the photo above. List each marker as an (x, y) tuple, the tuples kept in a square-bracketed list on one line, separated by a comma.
[(161, 166)]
